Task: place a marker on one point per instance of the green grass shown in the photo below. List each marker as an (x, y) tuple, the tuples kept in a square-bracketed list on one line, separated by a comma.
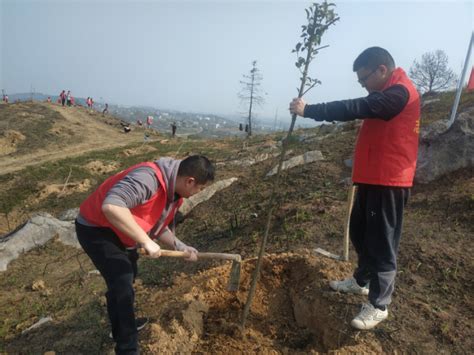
[(441, 110), (71, 300), (24, 184), (34, 122)]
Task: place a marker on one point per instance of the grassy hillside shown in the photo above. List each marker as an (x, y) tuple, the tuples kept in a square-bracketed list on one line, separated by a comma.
[(432, 303), (34, 122), (35, 133)]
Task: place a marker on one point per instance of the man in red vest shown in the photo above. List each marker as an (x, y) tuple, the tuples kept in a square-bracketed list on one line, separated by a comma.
[(384, 167), (130, 210)]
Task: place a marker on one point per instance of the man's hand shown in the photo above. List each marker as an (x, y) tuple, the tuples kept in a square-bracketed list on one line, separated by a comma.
[(297, 106), (193, 253), (152, 249)]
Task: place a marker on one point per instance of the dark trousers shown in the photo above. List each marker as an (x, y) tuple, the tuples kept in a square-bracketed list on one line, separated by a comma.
[(118, 267), (375, 231)]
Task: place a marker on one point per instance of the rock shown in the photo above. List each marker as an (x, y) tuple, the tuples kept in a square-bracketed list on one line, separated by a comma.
[(305, 136), (251, 161), (306, 158), (36, 232), (38, 324), (69, 215), (443, 151), (204, 195), (327, 128), (429, 101), (315, 138)]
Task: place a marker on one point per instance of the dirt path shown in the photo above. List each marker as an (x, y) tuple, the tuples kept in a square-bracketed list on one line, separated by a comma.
[(97, 133)]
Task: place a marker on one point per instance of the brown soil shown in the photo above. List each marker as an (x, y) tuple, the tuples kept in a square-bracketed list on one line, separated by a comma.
[(9, 141), (139, 150), (61, 190), (293, 311), (97, 167)]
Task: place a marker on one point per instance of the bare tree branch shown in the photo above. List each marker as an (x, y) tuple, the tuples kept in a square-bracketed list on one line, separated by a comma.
[(432, 74)]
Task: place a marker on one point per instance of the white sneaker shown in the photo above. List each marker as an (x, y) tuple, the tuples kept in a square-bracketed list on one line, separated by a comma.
[(349, 286), (369, 317)]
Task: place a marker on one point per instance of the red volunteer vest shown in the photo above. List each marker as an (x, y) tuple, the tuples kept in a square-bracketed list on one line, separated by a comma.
[(146, 215), (386, 151)]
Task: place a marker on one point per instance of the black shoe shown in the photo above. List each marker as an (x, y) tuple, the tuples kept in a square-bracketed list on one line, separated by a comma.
[(140, 322)]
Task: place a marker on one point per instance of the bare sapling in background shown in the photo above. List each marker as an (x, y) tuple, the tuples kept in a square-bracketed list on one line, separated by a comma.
[(251, 95)]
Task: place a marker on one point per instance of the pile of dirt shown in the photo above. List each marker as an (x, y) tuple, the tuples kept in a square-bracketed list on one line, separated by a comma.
[(293, 311), (140, 150), (98, 167), (61, 190), (9, 141)]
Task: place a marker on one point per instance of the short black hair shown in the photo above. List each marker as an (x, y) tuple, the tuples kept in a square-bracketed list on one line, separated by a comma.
[(198, 167), (372, 57)]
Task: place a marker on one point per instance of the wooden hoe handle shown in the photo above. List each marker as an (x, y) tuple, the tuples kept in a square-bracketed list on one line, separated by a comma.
[(182, 254)]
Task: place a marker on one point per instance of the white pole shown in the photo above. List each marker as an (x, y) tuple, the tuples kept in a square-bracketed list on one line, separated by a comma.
[(461, 82)]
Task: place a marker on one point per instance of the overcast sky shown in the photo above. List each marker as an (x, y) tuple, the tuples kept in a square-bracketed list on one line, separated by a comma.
[(191, 55)]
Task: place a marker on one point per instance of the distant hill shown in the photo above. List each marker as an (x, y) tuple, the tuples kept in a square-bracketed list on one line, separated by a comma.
[(33, 133), (198, 124)]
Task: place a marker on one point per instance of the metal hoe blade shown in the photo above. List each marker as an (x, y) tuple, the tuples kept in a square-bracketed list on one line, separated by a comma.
[(234, 279)]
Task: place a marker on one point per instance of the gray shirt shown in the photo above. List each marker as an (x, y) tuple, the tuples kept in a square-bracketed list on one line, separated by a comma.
[(136, 188)]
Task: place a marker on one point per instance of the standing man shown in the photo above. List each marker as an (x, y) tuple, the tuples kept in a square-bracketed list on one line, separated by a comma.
[(384, 167), (129, 210), (62, 96), (106, 109), (149, 121), (173, 129), (69, 98)]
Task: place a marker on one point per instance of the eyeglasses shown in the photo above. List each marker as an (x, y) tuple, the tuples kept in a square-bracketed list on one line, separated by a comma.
[(365, 78)]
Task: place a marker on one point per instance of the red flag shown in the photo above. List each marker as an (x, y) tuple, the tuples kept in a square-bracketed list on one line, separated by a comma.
[(470, 83)]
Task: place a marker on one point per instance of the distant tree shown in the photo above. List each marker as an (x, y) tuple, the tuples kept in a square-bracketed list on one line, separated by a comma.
[(251, 93), (432, 73)]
